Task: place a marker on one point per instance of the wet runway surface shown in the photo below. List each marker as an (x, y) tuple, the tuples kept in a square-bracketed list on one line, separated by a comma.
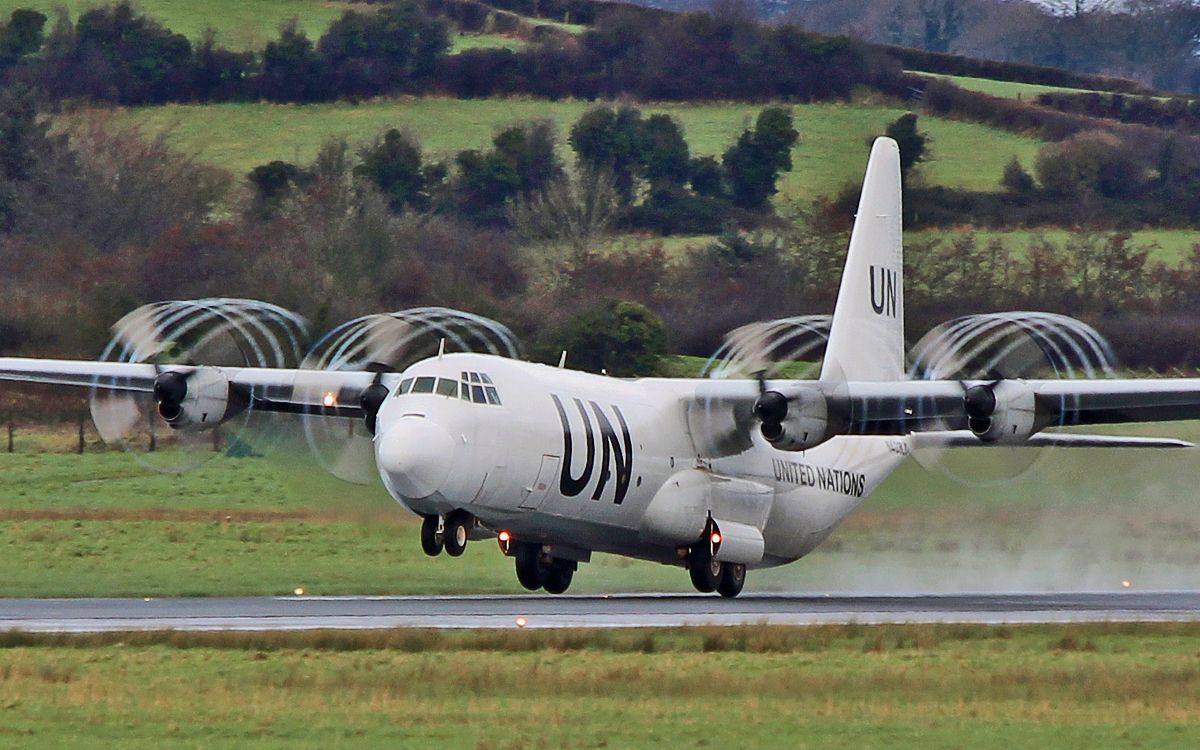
[(543, 611)]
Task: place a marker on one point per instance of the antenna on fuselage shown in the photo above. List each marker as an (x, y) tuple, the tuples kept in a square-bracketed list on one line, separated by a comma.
[(441, 348), (562, 360)]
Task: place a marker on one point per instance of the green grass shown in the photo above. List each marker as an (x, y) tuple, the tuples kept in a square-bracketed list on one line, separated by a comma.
[(461, 41), (1168, 245), (832, 150), (239, 24), (1008, 89), (843, 687), (99, 525)]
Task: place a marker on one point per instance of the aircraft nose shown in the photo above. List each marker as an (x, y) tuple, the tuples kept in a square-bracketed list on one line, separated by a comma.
[(416, 455)]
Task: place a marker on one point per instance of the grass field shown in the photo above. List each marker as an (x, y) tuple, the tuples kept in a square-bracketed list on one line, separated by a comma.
[(1167, 245), (828, 687), (832, 149), (239, 24), (99, 525), (1009, 89)]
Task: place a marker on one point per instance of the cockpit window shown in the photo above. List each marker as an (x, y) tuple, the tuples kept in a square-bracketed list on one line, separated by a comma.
[(474, 387), (447, 387)]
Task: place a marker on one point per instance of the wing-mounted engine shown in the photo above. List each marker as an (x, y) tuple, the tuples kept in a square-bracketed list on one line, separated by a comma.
[(1003, 412), (725, 411), (794, 419), (193, 413), (991, 355), (198, 399)]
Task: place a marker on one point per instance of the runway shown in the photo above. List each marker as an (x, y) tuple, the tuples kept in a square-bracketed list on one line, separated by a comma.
[(626, 610)]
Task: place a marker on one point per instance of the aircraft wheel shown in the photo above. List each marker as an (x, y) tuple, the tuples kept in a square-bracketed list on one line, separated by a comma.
[(458, 527), (733, 577), (558, 577), (432, 541), (531, 572), (704, 570)]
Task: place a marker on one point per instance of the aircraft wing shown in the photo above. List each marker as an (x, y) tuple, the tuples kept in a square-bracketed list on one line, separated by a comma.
[(722, 414), (325, 392)]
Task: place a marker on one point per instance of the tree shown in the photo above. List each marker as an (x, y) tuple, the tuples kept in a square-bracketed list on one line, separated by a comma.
[(621, 338), (273, 183), (1092, 161), (393, 164), (22, 35), (1015, 179), (753, 163), (706, 177), (912, 142), (574, 210), (291, 69), (372, 53), (521, 163), (610, 139), (665, 160)]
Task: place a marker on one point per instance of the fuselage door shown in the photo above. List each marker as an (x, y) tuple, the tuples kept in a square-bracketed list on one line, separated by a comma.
[(547, 474)]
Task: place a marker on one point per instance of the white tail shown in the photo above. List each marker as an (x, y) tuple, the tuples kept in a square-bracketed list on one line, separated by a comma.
[(866, 340)]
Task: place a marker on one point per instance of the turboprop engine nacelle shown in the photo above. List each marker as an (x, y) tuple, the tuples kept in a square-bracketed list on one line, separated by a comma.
[(198, 399), (794, 422), (1003, 412)]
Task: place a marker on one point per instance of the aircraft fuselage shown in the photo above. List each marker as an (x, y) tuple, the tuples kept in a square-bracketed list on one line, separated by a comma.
[(583, 462)]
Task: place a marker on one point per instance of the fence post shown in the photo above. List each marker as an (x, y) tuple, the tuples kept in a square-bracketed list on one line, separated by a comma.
[(81, 443), (10, 433)]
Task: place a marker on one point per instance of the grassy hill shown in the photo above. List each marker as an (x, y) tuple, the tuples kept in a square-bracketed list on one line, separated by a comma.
[(831, 152), (239, 25)]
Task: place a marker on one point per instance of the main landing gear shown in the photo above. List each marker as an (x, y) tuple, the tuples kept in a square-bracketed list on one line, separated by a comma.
[(709, 574), (536, 570)]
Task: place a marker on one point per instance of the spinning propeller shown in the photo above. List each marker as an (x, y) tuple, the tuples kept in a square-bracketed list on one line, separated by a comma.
[(1001, 349), (174, 427), (383, 343)]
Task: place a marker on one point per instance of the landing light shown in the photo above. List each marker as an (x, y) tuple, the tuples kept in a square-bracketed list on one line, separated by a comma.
[(329, 400), (716, 538), (522, 622), (1126, 584), (505, 540)]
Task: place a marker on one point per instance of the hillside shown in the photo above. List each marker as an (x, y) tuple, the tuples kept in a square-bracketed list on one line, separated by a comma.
[(831, 151)]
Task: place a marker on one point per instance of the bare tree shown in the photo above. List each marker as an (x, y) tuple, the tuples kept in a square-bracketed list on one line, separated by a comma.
[(575, 210)]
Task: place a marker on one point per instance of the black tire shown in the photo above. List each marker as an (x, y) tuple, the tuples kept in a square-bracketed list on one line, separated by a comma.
[(704, 570), (458, 527), (531, 572), (431, 541), (558, 577), (733, 577)]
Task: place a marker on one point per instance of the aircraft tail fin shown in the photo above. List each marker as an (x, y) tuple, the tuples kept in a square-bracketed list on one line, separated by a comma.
[(866, 340)]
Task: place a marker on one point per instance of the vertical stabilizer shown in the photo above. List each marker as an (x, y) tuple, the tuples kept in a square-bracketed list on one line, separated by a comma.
[(866, 341)]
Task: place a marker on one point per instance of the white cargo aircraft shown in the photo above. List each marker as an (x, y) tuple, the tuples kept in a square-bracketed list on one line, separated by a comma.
[(713, 476)]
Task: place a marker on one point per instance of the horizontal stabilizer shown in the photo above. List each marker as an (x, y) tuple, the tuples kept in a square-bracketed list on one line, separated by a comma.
[(967, 439)]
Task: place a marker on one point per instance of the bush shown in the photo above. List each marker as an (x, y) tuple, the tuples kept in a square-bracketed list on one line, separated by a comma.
[(624, 339)]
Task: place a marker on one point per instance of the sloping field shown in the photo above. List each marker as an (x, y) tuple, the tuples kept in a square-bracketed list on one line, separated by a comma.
[(832, 149), (239, 24)]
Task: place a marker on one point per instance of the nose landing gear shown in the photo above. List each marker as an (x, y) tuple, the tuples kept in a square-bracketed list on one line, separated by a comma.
[(450, 533)]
